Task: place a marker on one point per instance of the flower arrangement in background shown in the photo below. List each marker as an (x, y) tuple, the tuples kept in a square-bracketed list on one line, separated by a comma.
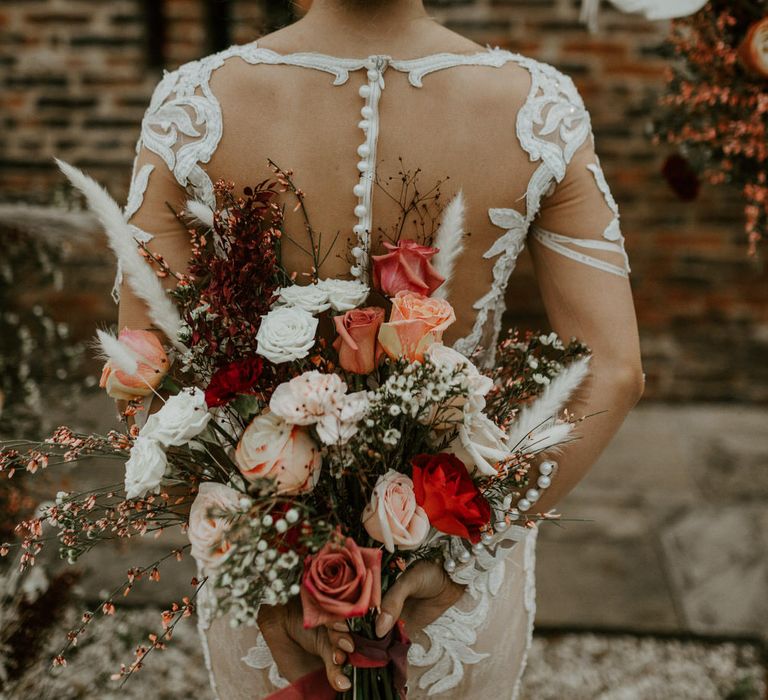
[(716, 107), (297, 458)]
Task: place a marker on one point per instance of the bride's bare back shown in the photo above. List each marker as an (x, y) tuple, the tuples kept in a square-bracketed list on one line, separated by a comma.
[(514, 136)]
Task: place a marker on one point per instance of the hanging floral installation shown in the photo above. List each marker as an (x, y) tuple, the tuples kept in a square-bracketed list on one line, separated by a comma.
[(715, 110)]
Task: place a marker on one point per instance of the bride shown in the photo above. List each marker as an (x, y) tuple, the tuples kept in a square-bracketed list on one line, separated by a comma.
[(355, 98)]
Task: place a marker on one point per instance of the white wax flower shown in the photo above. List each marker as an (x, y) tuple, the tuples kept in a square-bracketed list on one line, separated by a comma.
[(344, 295), (310, 297), (286, 334), (181, 418), (145, 467), (478, 385)]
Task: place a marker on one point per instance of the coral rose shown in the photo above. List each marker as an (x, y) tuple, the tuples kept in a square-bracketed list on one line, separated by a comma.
[(406, 268), (445, 491), (416, 322), (272, 449), (357, 343), (339, 582), (153, 366), (393, 516)]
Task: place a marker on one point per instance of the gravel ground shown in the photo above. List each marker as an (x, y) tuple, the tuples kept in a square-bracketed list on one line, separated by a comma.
[(562, 667)]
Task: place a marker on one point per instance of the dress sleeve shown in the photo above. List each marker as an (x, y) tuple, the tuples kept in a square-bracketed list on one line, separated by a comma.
[(579, 217), (156, 193)]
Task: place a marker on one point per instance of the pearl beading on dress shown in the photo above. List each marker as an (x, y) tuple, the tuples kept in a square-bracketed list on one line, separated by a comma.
[(363, 190)]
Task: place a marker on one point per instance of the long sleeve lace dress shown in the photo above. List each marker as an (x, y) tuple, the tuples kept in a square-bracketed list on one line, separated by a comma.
[(511, 133)]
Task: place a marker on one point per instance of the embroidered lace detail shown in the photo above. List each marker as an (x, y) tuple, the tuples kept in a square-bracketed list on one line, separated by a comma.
[(529, 594), (260, 657), (205, 610), (417, 68), (452, 635), (559, 243), (551, 126)]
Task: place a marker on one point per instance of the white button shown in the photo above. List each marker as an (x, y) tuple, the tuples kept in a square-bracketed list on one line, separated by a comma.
[(359, 190), (532, 495), (373, 74), (359, 229), (367, 112), (357, 251), (363, 124), (354, 271), (524, 504), (546, 468), (364, 150), (365, 91), (360, 211), (544, 482), (362, 166)]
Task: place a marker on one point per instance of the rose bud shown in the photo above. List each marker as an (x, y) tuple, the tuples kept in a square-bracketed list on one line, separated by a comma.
[(406, 267), (152, 367), (357, 343)]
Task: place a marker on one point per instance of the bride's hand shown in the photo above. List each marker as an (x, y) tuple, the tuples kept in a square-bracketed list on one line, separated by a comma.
[(419, 597), (298, 651)]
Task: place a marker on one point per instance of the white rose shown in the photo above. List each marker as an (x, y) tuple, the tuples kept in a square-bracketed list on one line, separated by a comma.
[(478, 385), (208, 523), (481, 443), (344, 295), (310, 297), (181, 418), (307, 398), (145, 467), (286, 334), (340, 425), (272, 449)]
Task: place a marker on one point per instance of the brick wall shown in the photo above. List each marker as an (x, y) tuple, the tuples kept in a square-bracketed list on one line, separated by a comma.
[(76, 75)]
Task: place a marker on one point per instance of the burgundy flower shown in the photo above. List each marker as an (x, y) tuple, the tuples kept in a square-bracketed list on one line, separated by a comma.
[(238, 377), (681, 177)]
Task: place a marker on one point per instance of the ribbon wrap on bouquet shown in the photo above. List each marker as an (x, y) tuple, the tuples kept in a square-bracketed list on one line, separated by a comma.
[(369, 653)]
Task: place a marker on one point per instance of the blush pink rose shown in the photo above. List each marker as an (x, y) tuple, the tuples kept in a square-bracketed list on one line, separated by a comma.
[(416, 322), (406, 267), (208, 523), (393, 517), (153, 366), (272, 449), (357, 342), (339, 582)]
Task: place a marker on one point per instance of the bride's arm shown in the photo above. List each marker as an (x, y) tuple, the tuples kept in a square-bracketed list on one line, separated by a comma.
[(587, 295)]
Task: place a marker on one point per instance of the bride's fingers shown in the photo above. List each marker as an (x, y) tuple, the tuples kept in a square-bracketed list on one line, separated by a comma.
[(341, 640), (331, 659)]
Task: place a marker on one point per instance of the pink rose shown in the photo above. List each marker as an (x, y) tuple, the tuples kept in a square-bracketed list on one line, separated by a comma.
[(272, 449), (153, 366), (416, 322), (406, 267), (339, 582), (357, 345), (393, 517), (208, 523)]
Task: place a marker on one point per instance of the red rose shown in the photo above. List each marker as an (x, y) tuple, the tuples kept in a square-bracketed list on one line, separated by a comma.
[(453, 503), (235, 378), (340, 581), (406, 267)]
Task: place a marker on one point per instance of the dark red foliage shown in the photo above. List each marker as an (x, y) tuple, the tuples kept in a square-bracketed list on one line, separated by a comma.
[(682, 178)]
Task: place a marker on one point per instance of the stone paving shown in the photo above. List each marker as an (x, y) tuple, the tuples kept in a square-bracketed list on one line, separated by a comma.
[(674, 536)]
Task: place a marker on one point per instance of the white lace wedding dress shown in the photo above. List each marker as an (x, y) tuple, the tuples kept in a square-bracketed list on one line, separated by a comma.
[(514, 135)]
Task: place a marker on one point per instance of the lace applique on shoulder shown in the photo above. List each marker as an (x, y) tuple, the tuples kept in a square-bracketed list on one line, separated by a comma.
[(551, 126)]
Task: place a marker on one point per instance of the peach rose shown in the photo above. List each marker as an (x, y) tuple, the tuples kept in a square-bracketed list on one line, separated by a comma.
[(272, 449), (393, 517), (406, 267), (207, 523), (416, 322), (340, 581), (357, 343), (153, 366)]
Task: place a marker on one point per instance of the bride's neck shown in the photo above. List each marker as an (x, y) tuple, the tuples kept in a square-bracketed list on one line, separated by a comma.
[(366, 21)]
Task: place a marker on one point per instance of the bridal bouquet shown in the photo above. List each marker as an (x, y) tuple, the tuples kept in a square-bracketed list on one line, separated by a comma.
[(314, 440)]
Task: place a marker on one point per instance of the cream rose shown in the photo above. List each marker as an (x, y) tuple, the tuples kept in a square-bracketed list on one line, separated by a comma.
[(181, 418), (310, 297), (481, 443), (393, 517), (145, 467), (208, 523), (344, 295), (286, 334), (307, 398), (272, 449)]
